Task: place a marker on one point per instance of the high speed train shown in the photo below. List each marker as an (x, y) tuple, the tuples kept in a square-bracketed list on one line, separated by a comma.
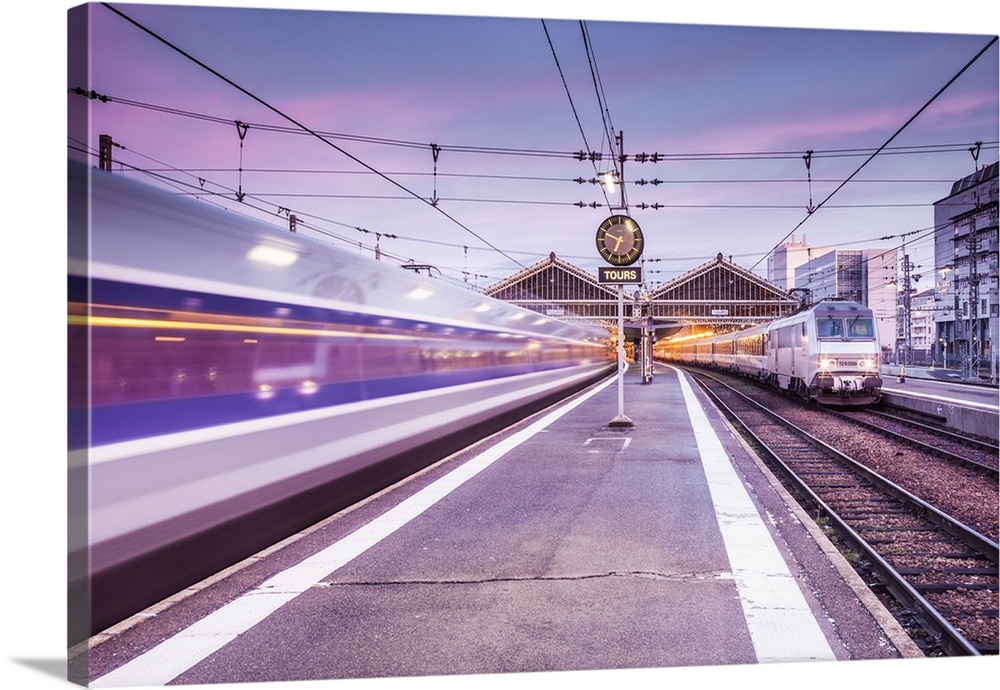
[(827, 353), (231, 383)]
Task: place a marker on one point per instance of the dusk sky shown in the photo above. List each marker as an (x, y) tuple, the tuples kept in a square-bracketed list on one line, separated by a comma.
[(351, 107), (845, 77)]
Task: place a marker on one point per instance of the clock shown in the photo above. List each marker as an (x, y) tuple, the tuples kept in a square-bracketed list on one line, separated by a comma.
[(619, 240)]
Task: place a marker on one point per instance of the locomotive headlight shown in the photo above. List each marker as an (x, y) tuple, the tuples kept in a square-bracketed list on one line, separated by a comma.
[(827, 364), (865, 364)]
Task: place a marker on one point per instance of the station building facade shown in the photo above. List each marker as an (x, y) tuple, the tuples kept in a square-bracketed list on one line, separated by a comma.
[(717, 295), (965, 254), (788, 256)]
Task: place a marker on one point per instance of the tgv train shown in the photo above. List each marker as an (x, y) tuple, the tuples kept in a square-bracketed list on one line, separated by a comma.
[(231, 383), (828, 353)]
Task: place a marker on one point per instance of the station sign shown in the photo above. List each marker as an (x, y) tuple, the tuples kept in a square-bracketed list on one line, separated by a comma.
[(615, 275)]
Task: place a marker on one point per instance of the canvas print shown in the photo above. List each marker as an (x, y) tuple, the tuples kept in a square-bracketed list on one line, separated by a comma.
[(412, 346)]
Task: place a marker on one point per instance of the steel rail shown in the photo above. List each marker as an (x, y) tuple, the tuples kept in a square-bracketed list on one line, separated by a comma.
[(918, 444), (977, 444), (943, 633)]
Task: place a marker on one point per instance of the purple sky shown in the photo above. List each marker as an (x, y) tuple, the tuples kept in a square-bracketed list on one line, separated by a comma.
[(461, 83)]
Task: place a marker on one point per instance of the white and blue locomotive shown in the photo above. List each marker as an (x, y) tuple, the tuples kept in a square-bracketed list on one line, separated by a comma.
[(828, 353)]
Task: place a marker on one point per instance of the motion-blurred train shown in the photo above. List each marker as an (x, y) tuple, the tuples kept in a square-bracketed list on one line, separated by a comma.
[(231, 383), (828, 353)]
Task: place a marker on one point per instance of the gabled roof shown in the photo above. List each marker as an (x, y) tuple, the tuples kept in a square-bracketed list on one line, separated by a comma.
[(976, 178), (720, 280), (536, 283)]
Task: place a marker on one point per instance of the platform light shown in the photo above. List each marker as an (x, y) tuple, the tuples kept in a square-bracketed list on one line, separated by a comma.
[(609, 181)]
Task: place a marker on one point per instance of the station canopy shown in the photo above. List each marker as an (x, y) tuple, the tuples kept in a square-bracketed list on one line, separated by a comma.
[(718, 294)]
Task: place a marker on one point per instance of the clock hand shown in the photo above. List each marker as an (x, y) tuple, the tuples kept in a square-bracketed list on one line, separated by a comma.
[(618, 243)]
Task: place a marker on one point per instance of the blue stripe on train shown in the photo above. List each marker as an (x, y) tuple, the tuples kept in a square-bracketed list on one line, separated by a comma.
[(117, 423)]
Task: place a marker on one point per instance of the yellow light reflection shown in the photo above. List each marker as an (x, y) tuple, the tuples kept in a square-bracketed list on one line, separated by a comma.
[(123, 322)]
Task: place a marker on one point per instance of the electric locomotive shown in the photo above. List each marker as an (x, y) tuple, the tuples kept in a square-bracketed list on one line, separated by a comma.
[(828, 353)]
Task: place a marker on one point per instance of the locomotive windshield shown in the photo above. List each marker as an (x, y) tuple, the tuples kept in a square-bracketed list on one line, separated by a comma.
[(849, 328)]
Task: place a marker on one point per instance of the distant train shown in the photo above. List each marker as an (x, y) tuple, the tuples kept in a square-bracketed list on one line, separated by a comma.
[(231, 383), (828, 353)]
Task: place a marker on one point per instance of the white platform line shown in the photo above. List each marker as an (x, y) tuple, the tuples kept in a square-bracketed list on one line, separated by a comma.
[(183, 651), (782, 626), (937, 397)]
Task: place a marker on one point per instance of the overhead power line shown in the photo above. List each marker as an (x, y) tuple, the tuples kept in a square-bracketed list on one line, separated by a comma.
[(304, 128), (868, 160), (582, 155)]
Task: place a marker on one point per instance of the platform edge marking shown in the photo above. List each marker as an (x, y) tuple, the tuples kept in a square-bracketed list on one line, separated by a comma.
[(180, 653), (781, 624)]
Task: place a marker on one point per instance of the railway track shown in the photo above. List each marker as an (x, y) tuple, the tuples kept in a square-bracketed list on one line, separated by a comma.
[(938, 574), (959, 448)]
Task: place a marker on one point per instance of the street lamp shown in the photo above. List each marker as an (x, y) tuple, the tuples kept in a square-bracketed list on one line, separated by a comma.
[(609, 181)]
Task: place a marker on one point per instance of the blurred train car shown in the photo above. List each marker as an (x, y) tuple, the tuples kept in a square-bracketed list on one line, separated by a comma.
[(231, 383), (828, 353)]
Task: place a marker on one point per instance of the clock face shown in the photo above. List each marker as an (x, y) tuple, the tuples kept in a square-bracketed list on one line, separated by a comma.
[(619, 240)]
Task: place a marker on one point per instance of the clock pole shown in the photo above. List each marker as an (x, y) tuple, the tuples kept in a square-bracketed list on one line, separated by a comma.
[(620, 243), (621, 420)]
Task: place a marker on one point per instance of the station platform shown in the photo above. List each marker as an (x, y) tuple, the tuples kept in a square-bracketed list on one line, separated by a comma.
[(933, 373), (971, 407), (561, 544)]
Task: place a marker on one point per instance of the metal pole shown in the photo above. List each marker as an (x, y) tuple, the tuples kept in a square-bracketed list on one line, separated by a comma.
[(621, 350), (621, 419)]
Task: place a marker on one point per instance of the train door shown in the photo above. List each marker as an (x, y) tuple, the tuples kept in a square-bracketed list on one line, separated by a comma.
[(770, 357), (804, 374), (798, 340)]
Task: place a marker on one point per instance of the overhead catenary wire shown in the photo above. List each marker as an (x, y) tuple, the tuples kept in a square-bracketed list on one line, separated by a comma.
[(895, 134), (608, 127), (537, 178), (248, 203), (313, 133), (576, 115), (707, 157), (617, 158), (203, 191), (587, 155), (316, 222)]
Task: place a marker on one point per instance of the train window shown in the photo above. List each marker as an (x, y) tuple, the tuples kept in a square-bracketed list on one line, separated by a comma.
[(860, 327), (829, 327)]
